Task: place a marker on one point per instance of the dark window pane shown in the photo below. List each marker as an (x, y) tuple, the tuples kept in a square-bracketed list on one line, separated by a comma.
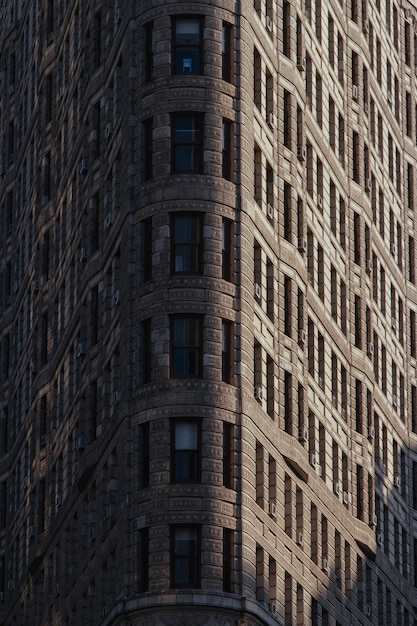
[(186, 346), (146, 352), (148, 149), (187, 46), (186, 243), (185, 557), (226, 52), (187, 144), (147, 248)]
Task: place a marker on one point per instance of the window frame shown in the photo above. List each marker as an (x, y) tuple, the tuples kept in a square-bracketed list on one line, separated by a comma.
[(196, 347), (178, 49), (196, 147), (191, 560)]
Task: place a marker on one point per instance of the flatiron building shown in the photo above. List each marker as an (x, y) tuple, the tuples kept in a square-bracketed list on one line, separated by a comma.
[(208, 309)]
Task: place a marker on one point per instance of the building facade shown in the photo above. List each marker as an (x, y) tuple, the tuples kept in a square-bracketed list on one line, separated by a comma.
[(208, 303)]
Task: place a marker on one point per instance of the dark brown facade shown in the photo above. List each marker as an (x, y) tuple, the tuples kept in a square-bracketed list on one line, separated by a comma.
[(208, 313)]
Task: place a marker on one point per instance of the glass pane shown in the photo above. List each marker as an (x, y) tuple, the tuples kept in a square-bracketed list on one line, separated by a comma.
[(185, 466), (186, 332), (185, 362), (185, 556), (225, 337), (185, 541), (187, 129), (186, 229), (187, 159), (225, 136), (225, 38), (186, 436), (187, 60), (186, 258), (187, 30)]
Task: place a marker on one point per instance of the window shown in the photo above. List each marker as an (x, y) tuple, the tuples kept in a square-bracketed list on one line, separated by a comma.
[(186, 350), (187, 144), (47, 185), (148, 49), (257, 78), (147, 248), (50, 20), (257, 175), (45, 256), (287, 306), (260, 574), (144, 446), (288, 210), (228, 454), (186, 246), (143, 559), (148, 149), (185, 438), (94, 311), (185, 556), (355, 158), (3, 504), (94, 212), (146, 351), (187, 52), (226, 249), (97, 43), (227, 149), (227, 559), (286, 29), (260, 475), (288, 404), (48, 98), (227, 52), (287, 118), (227, 348)]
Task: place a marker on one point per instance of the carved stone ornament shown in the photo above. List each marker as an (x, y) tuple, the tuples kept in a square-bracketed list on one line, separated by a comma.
[(184, 620)]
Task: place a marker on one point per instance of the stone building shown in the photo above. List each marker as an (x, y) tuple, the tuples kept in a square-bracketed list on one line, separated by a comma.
[(208, 387)]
